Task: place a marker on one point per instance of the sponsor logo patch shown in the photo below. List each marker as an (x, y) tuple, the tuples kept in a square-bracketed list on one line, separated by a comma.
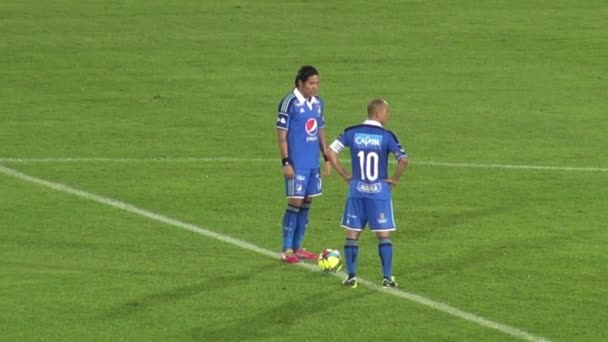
[(368, 140), (370, 188), (312, 129)]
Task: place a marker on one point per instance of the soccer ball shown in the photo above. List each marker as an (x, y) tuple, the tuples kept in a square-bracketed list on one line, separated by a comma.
[(330, 260)]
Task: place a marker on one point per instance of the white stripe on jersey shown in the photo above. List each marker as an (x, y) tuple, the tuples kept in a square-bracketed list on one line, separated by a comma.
[(285, 103), (336, 146)]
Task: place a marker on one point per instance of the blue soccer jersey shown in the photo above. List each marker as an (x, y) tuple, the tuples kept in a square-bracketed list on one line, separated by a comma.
[(302, 120), (370, 145)]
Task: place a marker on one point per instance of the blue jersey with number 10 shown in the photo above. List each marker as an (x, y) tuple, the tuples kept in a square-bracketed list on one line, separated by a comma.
[(370, 145)]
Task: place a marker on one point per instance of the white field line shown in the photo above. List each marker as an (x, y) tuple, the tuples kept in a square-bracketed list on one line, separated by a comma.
[(506, 329), (272, 160)]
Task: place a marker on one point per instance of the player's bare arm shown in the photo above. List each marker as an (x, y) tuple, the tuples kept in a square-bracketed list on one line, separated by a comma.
[(284, 151), (323, 147), (332, 157), (401, 166)]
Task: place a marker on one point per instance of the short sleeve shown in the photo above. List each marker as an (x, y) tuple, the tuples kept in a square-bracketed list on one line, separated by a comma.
[(283, 113), (394, 146), (340, 143)]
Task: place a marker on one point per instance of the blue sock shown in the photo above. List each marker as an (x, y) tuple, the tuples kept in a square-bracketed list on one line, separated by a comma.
[(290, 220), (301, 226), (351, 250), (385, 250)]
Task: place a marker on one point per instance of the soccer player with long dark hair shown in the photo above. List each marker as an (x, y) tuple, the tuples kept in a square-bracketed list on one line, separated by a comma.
[(301, 138)]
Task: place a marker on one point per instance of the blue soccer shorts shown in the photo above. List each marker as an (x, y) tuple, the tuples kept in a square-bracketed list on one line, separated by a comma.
[(305, 183), (359, 212)]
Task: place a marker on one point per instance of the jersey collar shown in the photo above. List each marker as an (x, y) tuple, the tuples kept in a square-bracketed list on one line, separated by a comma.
[(302, 99), (372, 123)]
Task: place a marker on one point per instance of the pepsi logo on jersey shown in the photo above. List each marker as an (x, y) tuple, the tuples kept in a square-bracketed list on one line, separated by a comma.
[(311, 128)]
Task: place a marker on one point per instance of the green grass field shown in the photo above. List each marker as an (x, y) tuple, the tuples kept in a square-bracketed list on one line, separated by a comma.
[(170, 107)]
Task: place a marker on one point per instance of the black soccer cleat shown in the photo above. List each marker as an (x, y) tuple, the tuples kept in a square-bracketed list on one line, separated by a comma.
[(350, 282), (389, 283)]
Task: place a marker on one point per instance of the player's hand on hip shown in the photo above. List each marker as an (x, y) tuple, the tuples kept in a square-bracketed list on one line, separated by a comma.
[(347, 178), (391, 182), (288, 172), (327, 169)]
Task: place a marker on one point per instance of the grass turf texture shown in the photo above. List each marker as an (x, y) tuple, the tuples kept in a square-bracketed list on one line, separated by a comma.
[(515, 82)]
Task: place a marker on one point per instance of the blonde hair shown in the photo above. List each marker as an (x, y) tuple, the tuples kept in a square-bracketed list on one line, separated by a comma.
[(374, 106)]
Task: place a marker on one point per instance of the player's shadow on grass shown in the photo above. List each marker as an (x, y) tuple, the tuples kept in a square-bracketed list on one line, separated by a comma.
[(432, 222), (277, 319), (484, 254), (47, 267), (134, 306), (209, 284)]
